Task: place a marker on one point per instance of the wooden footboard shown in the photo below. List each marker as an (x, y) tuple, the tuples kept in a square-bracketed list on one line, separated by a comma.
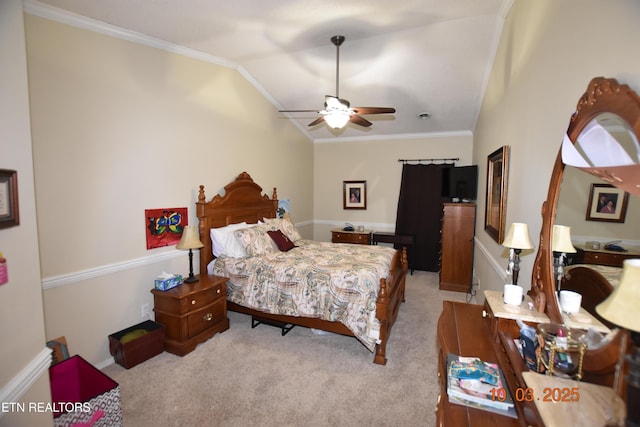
[(390, 296)]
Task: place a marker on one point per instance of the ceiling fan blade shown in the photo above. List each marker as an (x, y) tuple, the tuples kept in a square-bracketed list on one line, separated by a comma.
[(317, 121), (373, 110), (359, 120)]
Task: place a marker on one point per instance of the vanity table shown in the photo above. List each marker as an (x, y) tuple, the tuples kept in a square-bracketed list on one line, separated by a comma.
[(488, 331)]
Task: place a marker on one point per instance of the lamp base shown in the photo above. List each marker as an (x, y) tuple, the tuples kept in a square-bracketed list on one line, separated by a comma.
[(191, 279)]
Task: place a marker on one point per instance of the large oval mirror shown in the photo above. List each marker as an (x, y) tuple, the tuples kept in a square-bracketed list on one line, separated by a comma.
[(602, 140)]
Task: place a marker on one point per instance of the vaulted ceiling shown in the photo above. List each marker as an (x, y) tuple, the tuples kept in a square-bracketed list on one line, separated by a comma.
[(417, 56)]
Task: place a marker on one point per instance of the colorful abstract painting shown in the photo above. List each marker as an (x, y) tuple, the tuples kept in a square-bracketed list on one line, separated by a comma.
[(164, 226)]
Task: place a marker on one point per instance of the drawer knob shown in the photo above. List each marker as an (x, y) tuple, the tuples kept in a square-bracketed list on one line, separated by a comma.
[(193, 302), (207, 317), (217, 291)]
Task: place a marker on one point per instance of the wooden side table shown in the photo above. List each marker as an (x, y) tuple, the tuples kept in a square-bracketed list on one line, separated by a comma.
[(192, 312), (358, 237)]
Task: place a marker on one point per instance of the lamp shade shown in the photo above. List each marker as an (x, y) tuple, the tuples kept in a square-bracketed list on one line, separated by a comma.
[(561, 240), (189, 239), (518, 237), (337, 119), (621, 307)]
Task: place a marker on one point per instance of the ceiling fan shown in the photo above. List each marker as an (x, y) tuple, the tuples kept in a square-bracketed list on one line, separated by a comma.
[(337, 111)]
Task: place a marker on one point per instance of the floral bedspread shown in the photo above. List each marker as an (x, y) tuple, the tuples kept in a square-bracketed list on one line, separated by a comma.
[(335, 282)]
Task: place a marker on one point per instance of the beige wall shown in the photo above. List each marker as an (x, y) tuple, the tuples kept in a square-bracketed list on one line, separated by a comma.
[(23, 371), (377, 163), (548, 53), (120, 127)]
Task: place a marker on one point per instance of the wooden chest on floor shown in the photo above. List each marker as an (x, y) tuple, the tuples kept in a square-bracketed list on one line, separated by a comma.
[(137, 343)]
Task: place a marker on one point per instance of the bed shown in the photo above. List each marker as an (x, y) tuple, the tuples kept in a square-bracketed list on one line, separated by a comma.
[(367, 310)]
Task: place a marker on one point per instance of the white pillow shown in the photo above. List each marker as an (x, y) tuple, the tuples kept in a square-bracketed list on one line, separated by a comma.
[(223, 241)]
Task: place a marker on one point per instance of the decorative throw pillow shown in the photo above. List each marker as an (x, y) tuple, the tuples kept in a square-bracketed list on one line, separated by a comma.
[(282, 241), (255, 240), (286, 226)]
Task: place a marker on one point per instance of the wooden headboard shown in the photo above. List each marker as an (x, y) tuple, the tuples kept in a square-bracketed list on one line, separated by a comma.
[(242, 201)]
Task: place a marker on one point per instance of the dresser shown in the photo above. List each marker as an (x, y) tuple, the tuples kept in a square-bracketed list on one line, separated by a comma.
[(463, 331), (456, 254), (603, 257), (192, 312), (358, 237), (481, 331)]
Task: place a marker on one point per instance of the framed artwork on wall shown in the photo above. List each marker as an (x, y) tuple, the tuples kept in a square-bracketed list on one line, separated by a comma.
[(9, 211), (607, 203), (164, 226), (354, 194), (496, 195)]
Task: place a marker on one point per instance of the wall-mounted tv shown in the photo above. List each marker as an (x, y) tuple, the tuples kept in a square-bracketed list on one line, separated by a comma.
[(460, 182)]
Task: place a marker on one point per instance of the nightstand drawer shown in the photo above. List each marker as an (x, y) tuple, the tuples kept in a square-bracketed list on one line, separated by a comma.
[(201, 299), (205, 318)]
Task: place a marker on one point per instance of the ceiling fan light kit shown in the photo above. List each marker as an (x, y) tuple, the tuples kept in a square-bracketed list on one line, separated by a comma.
[(338, 112)]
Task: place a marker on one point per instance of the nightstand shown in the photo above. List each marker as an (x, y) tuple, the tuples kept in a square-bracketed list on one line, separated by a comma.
[(192, 313), (359, 237)]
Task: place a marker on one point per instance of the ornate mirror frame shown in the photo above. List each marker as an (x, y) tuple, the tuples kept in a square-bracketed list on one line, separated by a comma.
[(602, 96)]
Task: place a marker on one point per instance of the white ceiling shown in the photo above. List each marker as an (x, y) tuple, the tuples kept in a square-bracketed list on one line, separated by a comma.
[(415, 55)]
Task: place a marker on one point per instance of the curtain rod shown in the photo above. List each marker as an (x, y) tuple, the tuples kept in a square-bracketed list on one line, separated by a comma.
[(405, 161)]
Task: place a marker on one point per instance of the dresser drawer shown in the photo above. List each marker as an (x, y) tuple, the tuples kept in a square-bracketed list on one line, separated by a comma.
[(605, 258), (205, 318), (357, 238)]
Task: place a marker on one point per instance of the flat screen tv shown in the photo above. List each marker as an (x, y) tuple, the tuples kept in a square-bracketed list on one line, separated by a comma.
[(460, 182)]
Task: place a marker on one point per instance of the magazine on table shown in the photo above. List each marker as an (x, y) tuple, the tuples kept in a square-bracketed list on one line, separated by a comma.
[(472, 380), (511, 412)]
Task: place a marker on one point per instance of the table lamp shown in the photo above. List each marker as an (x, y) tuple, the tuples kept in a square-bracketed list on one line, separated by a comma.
[(516, 240), (190, 241), (621, 308), (560, 245)]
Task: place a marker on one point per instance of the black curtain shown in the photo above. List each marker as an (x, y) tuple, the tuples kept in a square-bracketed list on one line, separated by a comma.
[(420, 213)]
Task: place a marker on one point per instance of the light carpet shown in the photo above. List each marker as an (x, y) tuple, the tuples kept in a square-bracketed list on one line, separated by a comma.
[(256, 377)]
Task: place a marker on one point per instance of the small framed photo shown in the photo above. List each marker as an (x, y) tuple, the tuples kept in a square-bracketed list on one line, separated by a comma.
[(354, 194), (9, 214), (607, 203)]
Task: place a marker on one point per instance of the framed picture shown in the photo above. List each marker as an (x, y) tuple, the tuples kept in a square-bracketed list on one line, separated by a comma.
[(354, 194), (164, 226), (607, 203), (496, 200), (9, 215)]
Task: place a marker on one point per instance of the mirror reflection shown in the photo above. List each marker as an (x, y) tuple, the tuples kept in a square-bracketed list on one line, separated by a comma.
[(599, 239)]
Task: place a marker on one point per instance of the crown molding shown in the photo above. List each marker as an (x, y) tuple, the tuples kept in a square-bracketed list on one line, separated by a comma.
[(425, 135), (45, 11)]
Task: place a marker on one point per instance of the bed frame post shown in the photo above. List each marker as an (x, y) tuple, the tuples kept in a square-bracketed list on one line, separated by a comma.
[(390, 296), (382, 310)]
